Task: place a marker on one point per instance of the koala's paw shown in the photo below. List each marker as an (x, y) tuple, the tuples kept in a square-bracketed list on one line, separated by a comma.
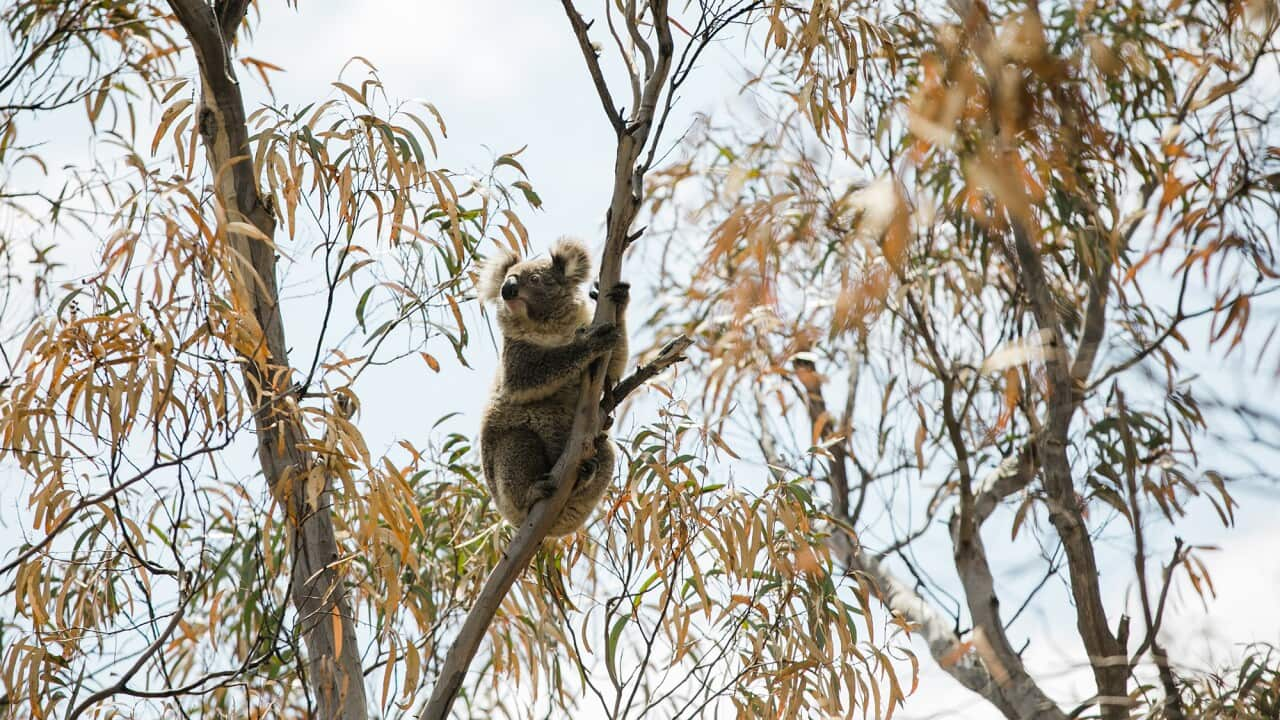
[(603, 335), (620, 294)]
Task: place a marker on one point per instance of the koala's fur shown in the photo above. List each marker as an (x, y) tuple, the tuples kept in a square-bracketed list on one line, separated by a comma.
[(547, 345)]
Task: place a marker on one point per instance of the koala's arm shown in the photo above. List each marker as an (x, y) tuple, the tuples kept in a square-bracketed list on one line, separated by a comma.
[(532, 372)]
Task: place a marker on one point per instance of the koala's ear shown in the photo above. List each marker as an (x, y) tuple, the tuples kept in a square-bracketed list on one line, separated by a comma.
[(493, 272), (570, 258)]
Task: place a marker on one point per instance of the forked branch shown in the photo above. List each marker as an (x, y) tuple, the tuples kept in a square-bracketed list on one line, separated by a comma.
[(1000, 677)]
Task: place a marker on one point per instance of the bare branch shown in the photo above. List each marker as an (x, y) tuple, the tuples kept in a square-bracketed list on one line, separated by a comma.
[(592, 58), (670, 354), (633, 28), (633, 75), (657, 79)]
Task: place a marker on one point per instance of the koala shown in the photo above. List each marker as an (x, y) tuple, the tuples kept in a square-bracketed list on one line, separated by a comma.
[(548, 343)]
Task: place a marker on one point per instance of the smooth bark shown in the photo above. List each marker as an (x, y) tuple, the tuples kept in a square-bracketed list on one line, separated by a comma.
[(334, 673)]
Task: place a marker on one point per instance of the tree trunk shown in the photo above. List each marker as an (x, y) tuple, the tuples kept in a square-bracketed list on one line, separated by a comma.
[(334, 671)]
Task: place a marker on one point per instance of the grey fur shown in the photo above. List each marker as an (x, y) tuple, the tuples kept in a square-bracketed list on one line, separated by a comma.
[(547, 346)]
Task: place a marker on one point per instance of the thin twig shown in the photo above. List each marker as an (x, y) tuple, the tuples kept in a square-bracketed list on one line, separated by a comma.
[(146, 655), (74, 512)]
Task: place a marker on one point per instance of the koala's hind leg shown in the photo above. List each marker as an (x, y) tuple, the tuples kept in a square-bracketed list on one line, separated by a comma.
[(594, 476), (520, 469), (620, 294)]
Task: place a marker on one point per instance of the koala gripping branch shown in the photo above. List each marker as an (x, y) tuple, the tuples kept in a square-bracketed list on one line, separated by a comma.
[(628, 185), (528, 537)]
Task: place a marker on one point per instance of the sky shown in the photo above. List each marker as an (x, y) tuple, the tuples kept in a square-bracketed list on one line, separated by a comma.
[(507, 75)]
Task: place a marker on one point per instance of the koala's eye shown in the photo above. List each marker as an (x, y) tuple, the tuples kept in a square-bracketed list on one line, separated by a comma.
[(535, 280)]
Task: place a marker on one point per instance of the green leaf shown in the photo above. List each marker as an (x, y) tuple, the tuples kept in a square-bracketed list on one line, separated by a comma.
[(364, 299), (529, 195), (611, 647)]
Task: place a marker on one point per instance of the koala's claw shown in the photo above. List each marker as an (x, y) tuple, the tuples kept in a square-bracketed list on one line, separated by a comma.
[(604, 334), (620, 293)]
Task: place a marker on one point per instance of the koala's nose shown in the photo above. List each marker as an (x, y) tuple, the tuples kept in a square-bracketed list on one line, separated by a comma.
[(510, 289)]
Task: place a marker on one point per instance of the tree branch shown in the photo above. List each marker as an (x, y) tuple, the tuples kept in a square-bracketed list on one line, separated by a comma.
[(1106, 654), (670, 354), (230, 15), (1001, 677), (1012, 475), (904, 602), (592, 58), (938, 630), (1095, 321), (1013, 684), (821, 418)]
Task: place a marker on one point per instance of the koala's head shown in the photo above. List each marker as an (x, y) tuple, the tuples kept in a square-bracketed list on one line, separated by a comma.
[(539, 300)]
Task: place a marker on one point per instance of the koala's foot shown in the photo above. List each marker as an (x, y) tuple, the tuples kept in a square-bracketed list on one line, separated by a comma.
[(542, 489), (595, 472), (587, 470)]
